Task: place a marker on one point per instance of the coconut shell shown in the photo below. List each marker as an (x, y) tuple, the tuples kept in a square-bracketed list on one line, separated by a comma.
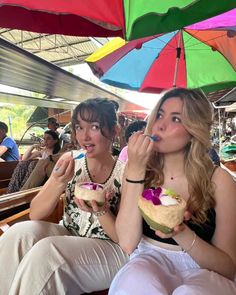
[(160, 217), (86, 194)]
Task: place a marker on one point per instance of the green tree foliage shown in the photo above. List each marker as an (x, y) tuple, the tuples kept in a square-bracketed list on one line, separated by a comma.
[(18, 114)]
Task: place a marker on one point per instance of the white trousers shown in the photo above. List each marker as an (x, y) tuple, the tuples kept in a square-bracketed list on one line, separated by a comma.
[(155, 271), (38, 257)]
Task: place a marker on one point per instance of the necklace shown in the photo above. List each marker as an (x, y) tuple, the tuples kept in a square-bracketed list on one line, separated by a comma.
[(170, 175), (174, 177), (93, 176), (87, 170)]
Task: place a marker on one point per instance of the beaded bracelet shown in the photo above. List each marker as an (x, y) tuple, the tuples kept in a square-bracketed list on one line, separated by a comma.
[(192, 244), (100, 213), (135, 181)]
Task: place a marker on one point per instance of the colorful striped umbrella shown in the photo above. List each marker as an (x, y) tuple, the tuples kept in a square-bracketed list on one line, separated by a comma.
[(130, 19), (190, 57)]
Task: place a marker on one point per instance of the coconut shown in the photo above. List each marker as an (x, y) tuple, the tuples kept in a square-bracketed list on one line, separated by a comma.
[(162, 209), (89, 191)]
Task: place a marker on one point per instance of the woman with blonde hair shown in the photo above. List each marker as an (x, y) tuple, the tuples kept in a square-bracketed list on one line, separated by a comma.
[(199, 255)]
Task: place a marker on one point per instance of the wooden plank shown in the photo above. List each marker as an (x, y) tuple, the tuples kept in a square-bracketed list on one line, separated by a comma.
[(8, 201), (6, 171), (3, 190), (55, 217), (6, 223), (23, 215), (7, 168)]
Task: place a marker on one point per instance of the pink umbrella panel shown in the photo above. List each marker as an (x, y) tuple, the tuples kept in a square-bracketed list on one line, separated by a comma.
[(186, 58)]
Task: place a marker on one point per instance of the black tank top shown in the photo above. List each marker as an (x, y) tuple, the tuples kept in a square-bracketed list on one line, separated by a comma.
[(205, 231)]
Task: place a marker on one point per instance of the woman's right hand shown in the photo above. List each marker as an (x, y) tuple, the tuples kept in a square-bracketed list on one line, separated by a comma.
[(63, 170), (37, 146), (140, 147)]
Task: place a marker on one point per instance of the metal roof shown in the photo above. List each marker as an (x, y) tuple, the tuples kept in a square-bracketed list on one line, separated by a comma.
[(21, 69), (227, 99), (61, 50), (218, 94), (35, 101)]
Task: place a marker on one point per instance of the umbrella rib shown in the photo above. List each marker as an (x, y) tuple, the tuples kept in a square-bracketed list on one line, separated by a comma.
[(151, 47), (166, 43)]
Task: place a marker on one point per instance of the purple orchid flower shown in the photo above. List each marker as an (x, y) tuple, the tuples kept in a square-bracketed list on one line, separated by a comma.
[(153, 195), (92, 186)]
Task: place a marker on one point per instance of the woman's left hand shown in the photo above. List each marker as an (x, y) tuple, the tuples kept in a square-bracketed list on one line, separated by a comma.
[(174, 232), (177, 229)]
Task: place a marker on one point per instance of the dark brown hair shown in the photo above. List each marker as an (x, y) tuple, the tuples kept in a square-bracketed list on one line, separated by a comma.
[(98, 110)]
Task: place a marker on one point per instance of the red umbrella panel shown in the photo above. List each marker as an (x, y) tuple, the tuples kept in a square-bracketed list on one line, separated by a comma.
[(131, 19)]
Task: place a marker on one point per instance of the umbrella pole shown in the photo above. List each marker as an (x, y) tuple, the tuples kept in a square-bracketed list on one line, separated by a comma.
[(178, 54), (220, 133)]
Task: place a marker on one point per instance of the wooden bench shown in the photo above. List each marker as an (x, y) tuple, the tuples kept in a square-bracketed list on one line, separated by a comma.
[(6, 171), (12, 204), (15, 200)]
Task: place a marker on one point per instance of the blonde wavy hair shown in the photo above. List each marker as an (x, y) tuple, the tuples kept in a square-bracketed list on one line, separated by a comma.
[(197, 118)]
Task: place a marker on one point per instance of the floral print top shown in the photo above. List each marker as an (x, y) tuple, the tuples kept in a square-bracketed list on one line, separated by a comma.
[(86, 224)]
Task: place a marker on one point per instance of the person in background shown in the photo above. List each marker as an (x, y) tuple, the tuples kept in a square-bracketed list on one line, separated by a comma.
[(199, 255), (116, 143), (35, 153), (8, 147), (121, 135), (44, 167), (49, 146), (64, 138), (116, 105), (81, 254), (132, 127), (214, 156), (53, 124)]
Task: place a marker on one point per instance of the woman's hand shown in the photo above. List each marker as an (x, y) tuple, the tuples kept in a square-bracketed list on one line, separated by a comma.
[(63, 170), (38, 146), (140, 147), (177, 229), (94, 208)]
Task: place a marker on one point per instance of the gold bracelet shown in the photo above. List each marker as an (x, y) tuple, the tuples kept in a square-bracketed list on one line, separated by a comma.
[(192, 244), (100, 213)]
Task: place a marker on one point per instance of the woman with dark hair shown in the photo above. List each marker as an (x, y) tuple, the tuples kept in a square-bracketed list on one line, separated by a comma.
[(197, 256), (49, 146), (34, 153), (81, 253)]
